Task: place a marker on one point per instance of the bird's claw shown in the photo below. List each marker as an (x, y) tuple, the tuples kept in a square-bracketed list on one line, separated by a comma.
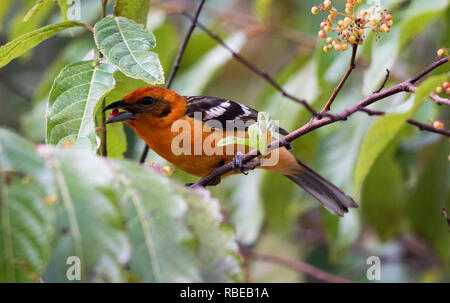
[(237, 163)]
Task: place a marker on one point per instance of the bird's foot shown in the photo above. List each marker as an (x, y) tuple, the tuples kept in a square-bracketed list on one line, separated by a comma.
[(238, 163)]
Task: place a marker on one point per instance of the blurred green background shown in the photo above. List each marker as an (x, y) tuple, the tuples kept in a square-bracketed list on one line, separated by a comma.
[(400, 217)]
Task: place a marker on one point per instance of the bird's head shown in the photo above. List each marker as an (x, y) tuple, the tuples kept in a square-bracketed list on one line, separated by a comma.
[(145, 103)]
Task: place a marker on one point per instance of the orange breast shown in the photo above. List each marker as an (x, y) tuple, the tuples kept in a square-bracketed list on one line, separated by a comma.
[(186, 145)]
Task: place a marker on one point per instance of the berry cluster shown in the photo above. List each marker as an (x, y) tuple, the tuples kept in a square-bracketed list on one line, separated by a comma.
[(349, 25), (444, 88)]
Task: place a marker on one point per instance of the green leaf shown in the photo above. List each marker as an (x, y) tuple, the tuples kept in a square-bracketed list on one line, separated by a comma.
[(429, 193), (385, 129), (75, 92), (136, 10), (383, 208), (25, 218), (89, 222), (127, 45), (20, 26), (233, 140), (174, 234), (64, 5), (19, 46), (39, 5), (122, 220)]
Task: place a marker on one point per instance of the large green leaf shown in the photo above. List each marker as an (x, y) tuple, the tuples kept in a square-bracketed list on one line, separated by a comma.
[(20, 45), (89, 224), (382, 209), (25, 217), (174, 239), (127, 45), (136, 10), (75, 92), (124, 222), (385, 129), (431, 192)]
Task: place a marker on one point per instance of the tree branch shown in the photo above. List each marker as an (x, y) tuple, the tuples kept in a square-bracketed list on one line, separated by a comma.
[(406, 86), (445, 214), (338, 88), (439, 100), (429, 128), (296, 265), (254, 69), (176, 64)]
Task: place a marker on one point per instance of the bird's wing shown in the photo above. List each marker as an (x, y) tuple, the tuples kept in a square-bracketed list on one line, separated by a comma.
[(222, 112)]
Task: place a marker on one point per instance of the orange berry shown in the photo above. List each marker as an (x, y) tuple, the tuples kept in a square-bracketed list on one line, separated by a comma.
[(439, 90), (322, 34), (446, 85), (388, 17), (314, 10), (441, 52), (438, 125)]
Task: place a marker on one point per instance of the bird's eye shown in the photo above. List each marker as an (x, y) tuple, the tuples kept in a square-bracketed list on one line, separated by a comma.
[(147, 100)]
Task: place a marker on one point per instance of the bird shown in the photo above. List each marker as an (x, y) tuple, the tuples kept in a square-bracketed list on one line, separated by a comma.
[(160, 117)]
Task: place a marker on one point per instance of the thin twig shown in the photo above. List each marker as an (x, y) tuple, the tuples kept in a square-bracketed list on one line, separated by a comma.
[(297, 266), (429, 128), (104, 148), (89, 27), (388, 73), (176, 64), (254, 69), (439, 100), (406, 86), (338, 88), (445, 214)]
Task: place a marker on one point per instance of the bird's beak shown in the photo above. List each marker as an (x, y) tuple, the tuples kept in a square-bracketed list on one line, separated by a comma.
[(121, 116)]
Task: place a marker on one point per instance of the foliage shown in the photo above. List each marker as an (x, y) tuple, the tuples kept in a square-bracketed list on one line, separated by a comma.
[(129, 222)]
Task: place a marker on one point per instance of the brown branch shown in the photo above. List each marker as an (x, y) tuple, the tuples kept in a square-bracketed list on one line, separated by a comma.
[(176, 64), (388, 73), (429, 128), (254, 69), (104, 148), (445, 214), (406, 86), (296, 265), (439, 100), (89, 27), (338, 88)]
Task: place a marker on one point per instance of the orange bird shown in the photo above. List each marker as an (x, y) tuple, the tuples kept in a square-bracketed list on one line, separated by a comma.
[(185, 131)]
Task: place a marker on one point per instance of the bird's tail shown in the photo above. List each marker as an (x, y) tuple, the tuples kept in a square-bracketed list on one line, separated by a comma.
[(331, 197)]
